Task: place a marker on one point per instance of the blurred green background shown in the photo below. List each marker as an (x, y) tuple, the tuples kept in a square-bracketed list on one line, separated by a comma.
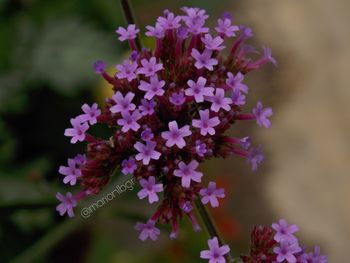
[(47, 48)]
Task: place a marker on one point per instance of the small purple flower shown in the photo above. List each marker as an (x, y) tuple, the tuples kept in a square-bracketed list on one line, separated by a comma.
[(157, 31), (316, 257), (188, 173), (134, 55), (147, 135), (80, 159), (71, 172), (195, 20), (216, 253), (268, 56), (170, 21), (285, 231), (146, 152), (235, 82), (150, 189), (211, 194), (182, 33), (129, 121), (127, 70), (187, 207), (198, 89), (175, 136), (286, 251), (219, 101), (123, 104), (149, 67), (99, 66), (177, 98), (90, 113), (205, 123), (255, 157), (238, 98), (204, 60), (68, 202), (147, 107), (245, 142), (152, 88), (128, 166), (127, 34), (212, 43), (262, 114), (148, 230), (226, 28), (77, 132), (201, 148)]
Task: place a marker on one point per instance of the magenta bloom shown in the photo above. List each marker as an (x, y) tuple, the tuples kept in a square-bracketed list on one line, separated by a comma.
[(212, 43), (188, 173), (77, 132), (150, 189), (177, 98), (157, 31), (122, 104), (68, 202), (219, 101), (127, 34), (216, 253), (149, 67), (206, 124), (225, 28), (127, 70), (71, 172), (147, 107), (90, 113), (198, 89), (129, 166), (285, 231), (175, 136), (287, 251), (152, 88), (211, 194), (204, 60), (146, 152), (235, 82), (99, 66), (262, 114), (148, 230), (170, 21), (129, 121)]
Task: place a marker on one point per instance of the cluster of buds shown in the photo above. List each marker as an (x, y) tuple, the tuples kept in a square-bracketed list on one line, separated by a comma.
[(169, 113), (279, 244)]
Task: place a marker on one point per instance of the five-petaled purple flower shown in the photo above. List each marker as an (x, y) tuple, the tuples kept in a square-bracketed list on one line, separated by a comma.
[(188, 173), (205, 123), (286, 251), (71, 172), (219, 101), (146, 152), (150, 189), (225, 28), (170, 21), (211, 194), (129, 121), (122, 104), (235, 82), (78, 131), (148, 230), (90, 113), (99, 66), (262, 114), (198, 89), (177, 98), (204, 59), (212, 43), (156, 31), (67, 204), (175, 135), (149, 67), (127, 70), (216, 253), (147, 107), (127, 34), (152, 88), (129, 166), (285, 231), (255, 157)]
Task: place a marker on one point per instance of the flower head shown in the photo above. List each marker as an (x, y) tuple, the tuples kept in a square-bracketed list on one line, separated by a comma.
[(122, 103), (175, 135), (152, 88), (188, 173), (204, 59), (198, 89), (90, 113), (212, 43), (127, 34), (211, 194), (216, 253), (148, 230), (205, 123), (150, 189), (129, 121), (149, 67), (127, 70), (225, 27), (285, 231), (219, 101), (77, 132), (146, 152), (129, 166)]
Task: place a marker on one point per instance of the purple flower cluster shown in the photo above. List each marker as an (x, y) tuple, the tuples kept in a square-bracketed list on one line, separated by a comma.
[(170, 111), (279, 244)]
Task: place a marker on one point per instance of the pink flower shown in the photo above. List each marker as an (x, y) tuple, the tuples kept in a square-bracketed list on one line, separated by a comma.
[(150, 189), (68, 202), (216, 253), (206, 124), (211, 194), (262, 114), (188, 173), (122, 104), (90, 113), (149, 67), (71, 172), (219, 101), (198, 90), (175, 136), (204, 60), (127, 70), (148, 230), (146, 152), (77, 132), (127, 34), (129, 121), (152, 88)]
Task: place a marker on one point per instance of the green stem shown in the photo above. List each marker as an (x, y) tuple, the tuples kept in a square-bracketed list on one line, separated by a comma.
[(130, 19), (210, 226)]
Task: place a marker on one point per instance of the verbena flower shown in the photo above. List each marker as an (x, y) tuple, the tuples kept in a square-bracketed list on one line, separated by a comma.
[(216, 253), (170, 111)]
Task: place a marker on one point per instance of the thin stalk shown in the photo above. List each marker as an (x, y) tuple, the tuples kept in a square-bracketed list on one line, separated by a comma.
[(210, 226), (130, 19)]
